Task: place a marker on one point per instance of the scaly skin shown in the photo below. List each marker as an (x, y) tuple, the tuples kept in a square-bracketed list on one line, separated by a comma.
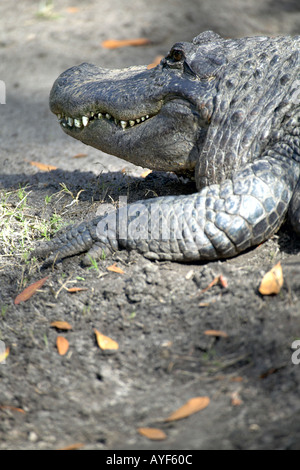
[(227, 111)]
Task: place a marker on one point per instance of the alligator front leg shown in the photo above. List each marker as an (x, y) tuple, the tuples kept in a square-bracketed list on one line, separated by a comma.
[(221, 220), (218, 222)]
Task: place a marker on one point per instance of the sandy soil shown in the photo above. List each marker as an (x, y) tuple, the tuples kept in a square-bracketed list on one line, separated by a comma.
[(157, 312)]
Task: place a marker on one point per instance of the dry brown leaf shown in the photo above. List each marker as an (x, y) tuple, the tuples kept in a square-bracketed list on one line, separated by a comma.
[(272, 281), (115, 269), (217, 280), (29, 291), (62, 345), (104, 342), (75, 446), (211, 284), (223, 281), (238, 378), (61, 325), (73, 290), (191, 406), (4, 355), (235, 399), (216, 333), (12, 408), (72, 9), (116, 43), (155, 62), (154, 434), (273, 370), (80, 155), (43, 166), (145, 173)]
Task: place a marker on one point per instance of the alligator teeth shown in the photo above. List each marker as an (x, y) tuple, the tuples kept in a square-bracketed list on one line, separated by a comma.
[(77, 122), (85, 121), (91, 116)]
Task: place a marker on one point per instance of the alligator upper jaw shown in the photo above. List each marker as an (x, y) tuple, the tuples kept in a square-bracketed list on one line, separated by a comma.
[(128, 113), (84, 93)]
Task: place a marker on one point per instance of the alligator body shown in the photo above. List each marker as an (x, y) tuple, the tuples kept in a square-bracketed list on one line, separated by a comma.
[(226, 111)]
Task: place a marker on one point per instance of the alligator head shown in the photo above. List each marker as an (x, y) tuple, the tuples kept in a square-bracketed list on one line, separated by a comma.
[(156, 118)]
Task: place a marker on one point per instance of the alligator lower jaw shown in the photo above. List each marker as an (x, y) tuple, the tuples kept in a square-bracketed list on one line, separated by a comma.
[(84, 121)]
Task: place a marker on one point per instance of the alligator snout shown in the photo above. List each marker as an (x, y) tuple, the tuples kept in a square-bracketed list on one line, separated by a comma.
[(123, 94)]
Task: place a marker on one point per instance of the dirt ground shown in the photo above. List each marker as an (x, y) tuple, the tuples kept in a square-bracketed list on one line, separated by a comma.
[(157, 312)]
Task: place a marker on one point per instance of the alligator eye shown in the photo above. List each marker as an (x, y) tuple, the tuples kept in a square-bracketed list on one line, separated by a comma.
[(177, 55)]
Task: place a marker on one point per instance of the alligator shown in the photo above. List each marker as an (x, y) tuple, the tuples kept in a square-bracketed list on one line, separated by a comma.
[(225, 111)]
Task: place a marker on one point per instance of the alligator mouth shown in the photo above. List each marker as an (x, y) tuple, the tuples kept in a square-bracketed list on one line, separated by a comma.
[(84, 121), (131, 136)]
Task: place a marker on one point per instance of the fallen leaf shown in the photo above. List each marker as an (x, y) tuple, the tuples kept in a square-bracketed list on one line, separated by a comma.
[(80, 155), (12, 408), (43, 166), (155, 62), (235, 399), (191, 406), (266, 374), (75, 446), (62, 345), (236, 379), (145, 173), (216, 333), (61, 325), (211, 284), (272, 281), (217, 280), (116, 43), (4, 355), (72, 290), (29, 291), (154, 434), (114, 268), (72, 9), (223, 281), (104, 342)]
